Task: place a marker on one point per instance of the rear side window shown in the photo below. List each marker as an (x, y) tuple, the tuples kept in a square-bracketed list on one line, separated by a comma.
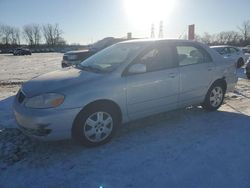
[(158, 58), (189, 54)]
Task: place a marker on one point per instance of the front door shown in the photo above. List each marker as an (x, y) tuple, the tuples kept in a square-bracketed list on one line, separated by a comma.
[(157, 89)]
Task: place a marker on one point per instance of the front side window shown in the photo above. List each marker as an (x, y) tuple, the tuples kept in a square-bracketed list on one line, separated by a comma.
[(188, 55), (158, 58)]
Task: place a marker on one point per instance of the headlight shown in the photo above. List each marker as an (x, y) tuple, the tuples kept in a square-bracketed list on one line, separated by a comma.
[(47, 100)]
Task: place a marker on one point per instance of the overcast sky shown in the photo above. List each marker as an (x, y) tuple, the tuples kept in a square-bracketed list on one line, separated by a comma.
[(85, 21)]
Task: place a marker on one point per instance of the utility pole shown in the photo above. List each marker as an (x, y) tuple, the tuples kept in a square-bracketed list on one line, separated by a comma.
[(152, 31), (161, 30)]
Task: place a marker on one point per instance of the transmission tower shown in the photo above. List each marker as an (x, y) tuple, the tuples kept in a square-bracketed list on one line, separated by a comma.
[(161, 29), (152, 31)]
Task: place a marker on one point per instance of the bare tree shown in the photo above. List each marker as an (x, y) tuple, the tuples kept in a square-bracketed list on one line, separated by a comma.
[(227, 37), (15, 36), (245, 30), (206, 38), (32, 34), (222, 38), (6, 33), (28, 34), (52, 34), (232, 37), (37, 33)]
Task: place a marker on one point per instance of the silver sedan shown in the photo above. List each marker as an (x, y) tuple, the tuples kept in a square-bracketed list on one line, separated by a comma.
[(126, 81)]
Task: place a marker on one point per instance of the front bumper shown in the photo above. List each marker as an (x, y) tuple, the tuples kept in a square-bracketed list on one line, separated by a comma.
[(45, 124)]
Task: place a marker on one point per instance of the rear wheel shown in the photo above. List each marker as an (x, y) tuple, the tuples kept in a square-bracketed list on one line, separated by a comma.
[(95, 126), (214, 97)]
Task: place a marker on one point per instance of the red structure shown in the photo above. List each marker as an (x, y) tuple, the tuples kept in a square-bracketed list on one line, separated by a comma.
[(191, 32)]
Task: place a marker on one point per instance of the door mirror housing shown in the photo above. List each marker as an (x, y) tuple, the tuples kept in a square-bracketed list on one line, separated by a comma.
[(137, 68)]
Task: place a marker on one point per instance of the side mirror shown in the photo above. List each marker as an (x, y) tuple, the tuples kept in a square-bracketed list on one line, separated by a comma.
[(137, 68)]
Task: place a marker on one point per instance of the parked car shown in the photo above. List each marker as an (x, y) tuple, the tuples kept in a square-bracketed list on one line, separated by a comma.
[(233, 53), (124, 82), (246, 49), (75, 57), (22, 51)]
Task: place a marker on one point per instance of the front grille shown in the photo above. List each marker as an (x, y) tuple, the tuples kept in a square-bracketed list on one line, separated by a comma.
[(35, 132), (21, 97)]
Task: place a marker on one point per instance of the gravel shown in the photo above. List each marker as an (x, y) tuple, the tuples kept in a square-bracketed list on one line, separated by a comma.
[(14, 146)]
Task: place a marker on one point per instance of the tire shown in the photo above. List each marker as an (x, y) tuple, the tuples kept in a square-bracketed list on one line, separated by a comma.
[(214, 97), (248, 75), (64, 65), (95, 126), (240, 63)]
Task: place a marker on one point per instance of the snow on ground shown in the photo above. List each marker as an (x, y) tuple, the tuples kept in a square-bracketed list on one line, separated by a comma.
[(22, 68), (17, 69), (184, 148)]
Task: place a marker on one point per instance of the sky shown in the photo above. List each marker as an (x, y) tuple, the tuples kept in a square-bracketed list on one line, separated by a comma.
[(86, 21)]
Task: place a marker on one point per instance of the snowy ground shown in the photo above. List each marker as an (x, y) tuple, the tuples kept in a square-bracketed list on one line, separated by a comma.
[(183, 148), (21, 68)]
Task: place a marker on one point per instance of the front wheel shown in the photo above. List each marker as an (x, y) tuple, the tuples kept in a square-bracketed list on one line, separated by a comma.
[(214, 97), (95, 126)]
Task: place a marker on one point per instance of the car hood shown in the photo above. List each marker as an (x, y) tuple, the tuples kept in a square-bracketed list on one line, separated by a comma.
[(76, 52), (57, 81)]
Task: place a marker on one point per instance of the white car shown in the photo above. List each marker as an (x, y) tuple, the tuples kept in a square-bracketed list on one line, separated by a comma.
[(232, 53)]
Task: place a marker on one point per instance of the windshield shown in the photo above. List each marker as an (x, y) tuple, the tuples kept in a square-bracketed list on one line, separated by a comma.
[(110, 58)]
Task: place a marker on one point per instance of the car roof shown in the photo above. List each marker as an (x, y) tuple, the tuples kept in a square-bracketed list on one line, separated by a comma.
[(156, 40), (77, 51), (223, 46)]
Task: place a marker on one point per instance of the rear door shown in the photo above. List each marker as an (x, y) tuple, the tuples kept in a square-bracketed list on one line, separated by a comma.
[(196, 68), (157, 89)]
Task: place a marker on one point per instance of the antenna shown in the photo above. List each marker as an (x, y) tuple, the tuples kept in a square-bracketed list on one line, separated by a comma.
[(161, 29), (152, 31)]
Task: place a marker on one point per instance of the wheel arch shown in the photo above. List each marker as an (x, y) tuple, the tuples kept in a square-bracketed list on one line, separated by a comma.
[(221, 81), (239, 61), (103, 102), (241, 58)]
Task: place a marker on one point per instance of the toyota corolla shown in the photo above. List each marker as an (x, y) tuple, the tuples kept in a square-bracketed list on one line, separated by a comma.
[(124, 82)]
